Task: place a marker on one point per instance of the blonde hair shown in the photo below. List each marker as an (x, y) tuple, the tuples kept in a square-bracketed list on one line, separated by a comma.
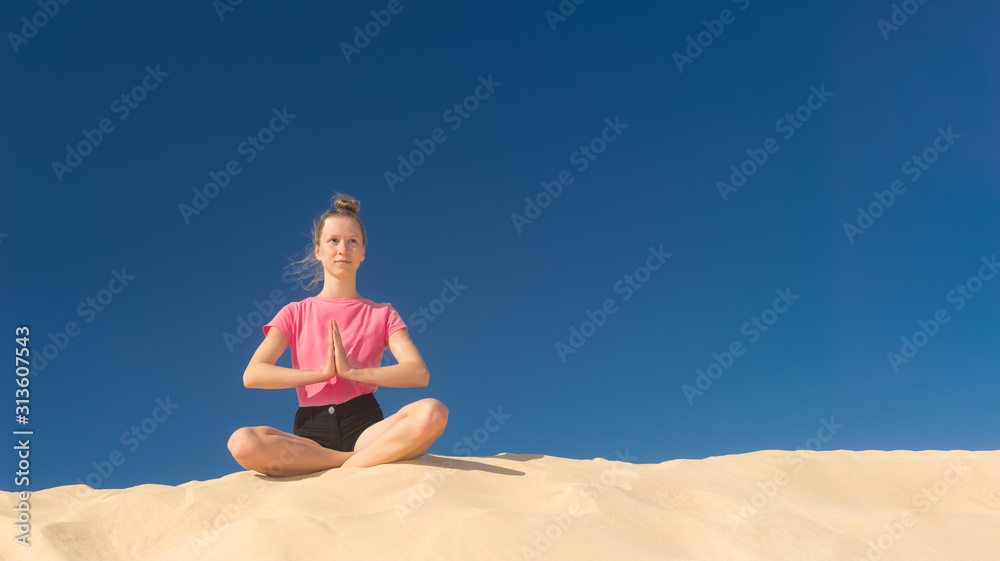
[(311, 268)]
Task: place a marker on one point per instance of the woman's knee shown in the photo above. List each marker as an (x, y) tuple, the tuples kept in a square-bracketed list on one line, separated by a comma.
[(433, 416), (244, 443)]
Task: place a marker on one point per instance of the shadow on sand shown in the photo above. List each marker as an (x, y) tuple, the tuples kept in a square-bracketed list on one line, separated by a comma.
[(444, 462)]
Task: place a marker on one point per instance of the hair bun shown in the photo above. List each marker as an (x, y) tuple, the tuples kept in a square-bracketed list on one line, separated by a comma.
[(347, 204)]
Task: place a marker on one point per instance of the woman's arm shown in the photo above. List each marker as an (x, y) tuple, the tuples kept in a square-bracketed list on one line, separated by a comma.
[(411, 371), (262, 373)]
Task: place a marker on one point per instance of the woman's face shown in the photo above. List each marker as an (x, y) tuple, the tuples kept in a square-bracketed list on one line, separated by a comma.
[(340, 248)]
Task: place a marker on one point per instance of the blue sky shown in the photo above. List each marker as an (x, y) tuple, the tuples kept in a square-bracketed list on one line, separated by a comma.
[(863, 101)]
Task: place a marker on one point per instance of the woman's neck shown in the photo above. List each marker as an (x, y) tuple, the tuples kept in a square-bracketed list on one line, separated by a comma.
[(338, 288)]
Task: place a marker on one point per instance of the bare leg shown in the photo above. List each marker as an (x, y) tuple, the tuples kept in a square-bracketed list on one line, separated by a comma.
[(273, 452), (402, 436)]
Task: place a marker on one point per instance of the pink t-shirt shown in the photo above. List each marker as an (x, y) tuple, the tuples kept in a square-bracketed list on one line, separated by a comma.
[(365, 328)]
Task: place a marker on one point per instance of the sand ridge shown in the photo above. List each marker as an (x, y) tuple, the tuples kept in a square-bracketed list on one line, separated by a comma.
[(765, 505)]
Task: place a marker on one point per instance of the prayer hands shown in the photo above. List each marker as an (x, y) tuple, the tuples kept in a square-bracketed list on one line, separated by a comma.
[(336, 356)]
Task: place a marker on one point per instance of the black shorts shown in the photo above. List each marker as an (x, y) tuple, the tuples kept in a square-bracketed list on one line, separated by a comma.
[(337, 426)]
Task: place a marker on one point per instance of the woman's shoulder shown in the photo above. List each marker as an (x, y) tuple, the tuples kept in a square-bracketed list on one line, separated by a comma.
[(383, 307), (317, 300)]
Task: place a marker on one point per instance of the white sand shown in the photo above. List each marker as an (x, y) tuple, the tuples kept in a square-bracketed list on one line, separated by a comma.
[(768, 505)]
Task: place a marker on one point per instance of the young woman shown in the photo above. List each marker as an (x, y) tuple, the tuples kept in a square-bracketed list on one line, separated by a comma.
[(337, 340)]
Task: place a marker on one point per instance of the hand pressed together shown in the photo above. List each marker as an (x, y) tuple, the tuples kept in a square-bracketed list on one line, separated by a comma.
[(336, 356)]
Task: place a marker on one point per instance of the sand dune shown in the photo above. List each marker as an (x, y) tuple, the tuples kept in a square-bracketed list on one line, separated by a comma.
[(768, 505)]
